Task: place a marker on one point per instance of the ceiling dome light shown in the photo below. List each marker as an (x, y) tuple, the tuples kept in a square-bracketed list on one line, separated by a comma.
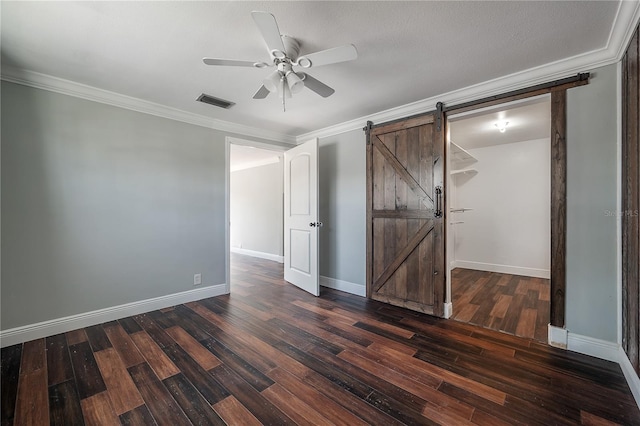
[(502, 126)]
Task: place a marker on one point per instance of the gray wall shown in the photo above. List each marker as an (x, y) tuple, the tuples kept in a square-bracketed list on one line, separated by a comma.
[(591, 193), (103, 206), (342, 170), (256, 205)]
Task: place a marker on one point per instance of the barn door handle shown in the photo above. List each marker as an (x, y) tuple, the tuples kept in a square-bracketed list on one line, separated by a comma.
[(438, 212)]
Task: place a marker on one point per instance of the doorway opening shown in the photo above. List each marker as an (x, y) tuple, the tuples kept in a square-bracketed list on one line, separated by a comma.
[(499, 216), (255, 212)]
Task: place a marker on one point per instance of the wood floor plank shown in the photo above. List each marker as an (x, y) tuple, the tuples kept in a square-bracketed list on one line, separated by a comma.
[(201, 379), (129, 325), (97, 338), (192, 403), (58, 362), (32, 406), (123, 393), (297, 410), (76, 336), (157, 359), (88, 378), (198, 352), (140, 416), (33, 356), (332, 411), (258, 405), (97, 410), (245, 370), (527, 323), (443, 374), (156, 332), (234, 413), (122, 343), (64, 404), (165, 409), (462, 412), (10, 367)]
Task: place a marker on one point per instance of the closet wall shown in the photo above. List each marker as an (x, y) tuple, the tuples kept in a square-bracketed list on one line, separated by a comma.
[(508, 192)]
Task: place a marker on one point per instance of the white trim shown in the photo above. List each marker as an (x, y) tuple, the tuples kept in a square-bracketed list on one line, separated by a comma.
[(227, 212), (623, 27), (619, 204), (260, 254), (621, 31), (448, 310), (594, 347), (82, 91), (630, 374), (504, 269), (61, 325), (346, 286), (557, 336)]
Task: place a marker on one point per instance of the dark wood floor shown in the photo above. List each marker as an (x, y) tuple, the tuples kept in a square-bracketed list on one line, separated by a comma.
[(270, 353), (513, 304)]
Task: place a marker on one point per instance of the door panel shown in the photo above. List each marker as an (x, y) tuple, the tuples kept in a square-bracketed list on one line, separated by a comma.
[(405, 244), (300, 217)]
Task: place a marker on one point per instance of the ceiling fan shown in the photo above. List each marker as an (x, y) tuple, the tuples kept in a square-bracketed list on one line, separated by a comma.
[(284, 51)]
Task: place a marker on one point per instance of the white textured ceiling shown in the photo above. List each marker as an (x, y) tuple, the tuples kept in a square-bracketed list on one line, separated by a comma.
[(408, 51), (528, 120)]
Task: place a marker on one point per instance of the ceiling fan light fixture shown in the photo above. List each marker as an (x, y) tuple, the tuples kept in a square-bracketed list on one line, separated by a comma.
[(294, 82), (502, 126), (272, 82)]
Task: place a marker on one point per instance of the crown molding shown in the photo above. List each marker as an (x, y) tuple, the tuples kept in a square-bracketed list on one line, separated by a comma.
[(83, 91), (625, 22)]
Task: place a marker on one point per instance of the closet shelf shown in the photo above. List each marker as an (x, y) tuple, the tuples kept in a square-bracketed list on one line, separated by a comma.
[(460, 156), (464, 172)]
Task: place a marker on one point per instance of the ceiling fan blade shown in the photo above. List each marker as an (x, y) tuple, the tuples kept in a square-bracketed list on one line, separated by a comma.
[(317, 86), (268, 27), (261, 93), (344, 53), (228, 62)]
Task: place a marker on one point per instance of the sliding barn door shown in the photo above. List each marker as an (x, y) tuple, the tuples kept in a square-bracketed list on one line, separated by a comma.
[(405, 240)]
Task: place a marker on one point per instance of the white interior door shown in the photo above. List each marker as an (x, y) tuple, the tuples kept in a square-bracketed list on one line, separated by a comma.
[(301, 217)]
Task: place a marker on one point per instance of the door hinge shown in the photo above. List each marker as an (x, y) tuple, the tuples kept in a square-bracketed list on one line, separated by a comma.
[(439, 114)]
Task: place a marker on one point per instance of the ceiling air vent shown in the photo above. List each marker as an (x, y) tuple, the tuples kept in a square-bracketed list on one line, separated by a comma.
[(212, 100)]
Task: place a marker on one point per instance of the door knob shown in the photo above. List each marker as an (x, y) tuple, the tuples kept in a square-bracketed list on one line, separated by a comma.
[(315, 224)]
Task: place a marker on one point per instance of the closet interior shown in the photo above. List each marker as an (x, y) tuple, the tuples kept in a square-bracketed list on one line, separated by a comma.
[(498, 217)]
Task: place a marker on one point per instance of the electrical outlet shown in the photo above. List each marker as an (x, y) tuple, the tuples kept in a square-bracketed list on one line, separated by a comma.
[(197, 279)]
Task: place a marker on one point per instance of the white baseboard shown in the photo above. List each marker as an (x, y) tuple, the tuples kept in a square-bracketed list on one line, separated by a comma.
[(630, 374), (39, 330), (557, 336), (260, 254), (595, 347), (346, 286), (503, 269)]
